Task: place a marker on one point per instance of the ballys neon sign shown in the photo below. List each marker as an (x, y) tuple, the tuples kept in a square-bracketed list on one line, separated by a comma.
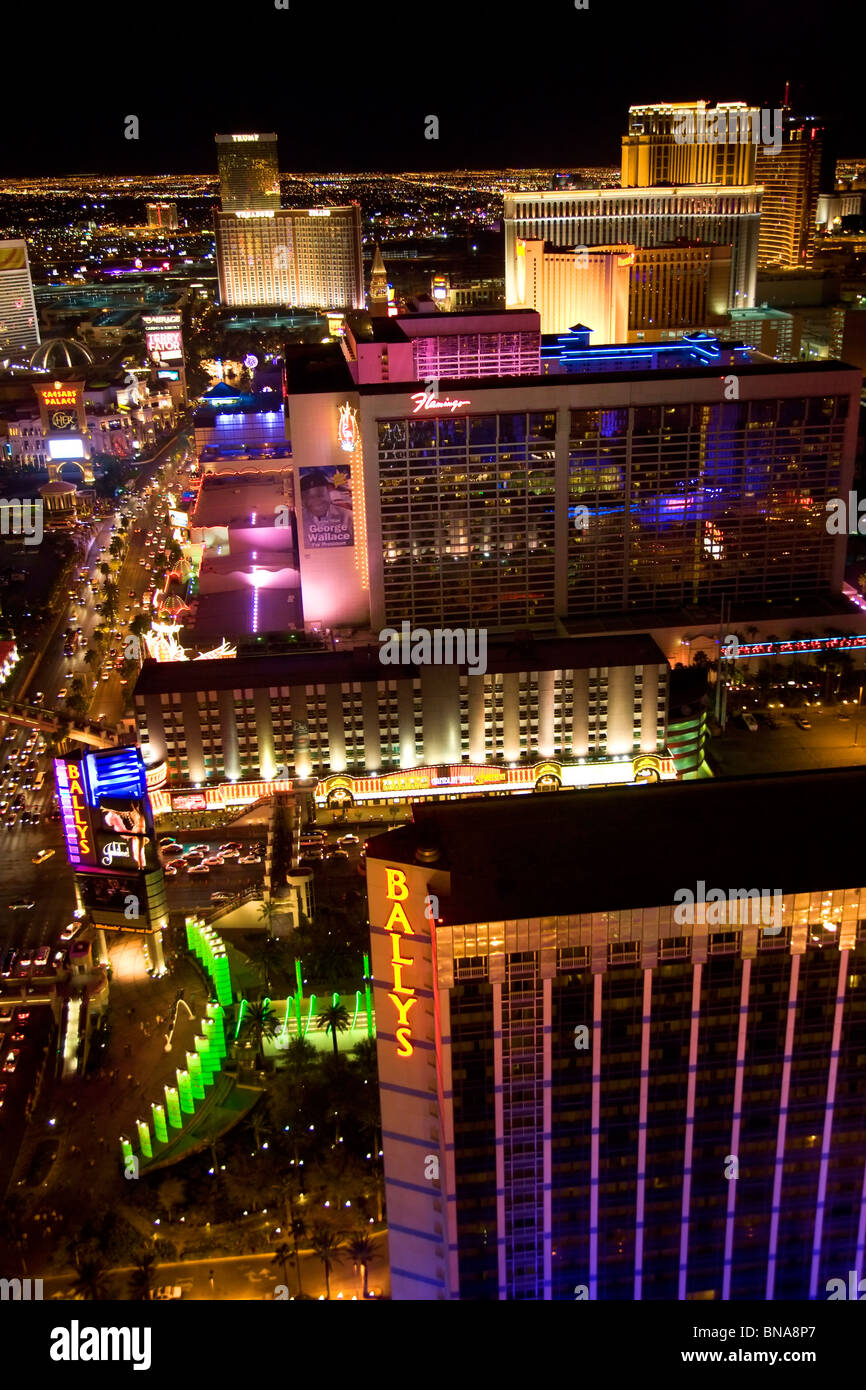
[(403, 996), (78, 803), (425, 400)]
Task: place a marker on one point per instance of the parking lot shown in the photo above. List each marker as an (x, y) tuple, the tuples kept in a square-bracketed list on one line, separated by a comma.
[(198, 875), (811, 737)]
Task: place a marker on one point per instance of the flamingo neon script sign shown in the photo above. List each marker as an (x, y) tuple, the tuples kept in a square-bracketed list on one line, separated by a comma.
[(426, 400)]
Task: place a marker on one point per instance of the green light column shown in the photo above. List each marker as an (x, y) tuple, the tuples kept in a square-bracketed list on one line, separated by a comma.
[(173, 1106), (144, 1138), (184, 1086), (299, 996), (222, 980), (193, 1062), (217, 1016), (208, 1062), (128, 1156), (159, 1125), (213, 1041), (367, 996)]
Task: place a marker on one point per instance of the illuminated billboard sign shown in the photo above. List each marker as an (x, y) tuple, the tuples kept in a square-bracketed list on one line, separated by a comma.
[(74, 813), (163, 337), (326, 508), (741, 650), (105, 811), (425, 400), (12, 258), (61, 407), (66, 448), (403, 996), (113, 893), (193, 801)]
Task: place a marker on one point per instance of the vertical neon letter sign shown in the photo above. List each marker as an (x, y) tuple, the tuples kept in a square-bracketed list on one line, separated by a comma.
[(403, 996)]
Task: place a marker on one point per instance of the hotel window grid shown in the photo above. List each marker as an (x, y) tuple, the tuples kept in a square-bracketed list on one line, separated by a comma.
[(477, 354), (689, 502), (616, 1172), (467, 508)]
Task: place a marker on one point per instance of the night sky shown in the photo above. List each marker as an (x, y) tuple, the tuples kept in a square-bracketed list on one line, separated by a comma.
[(347, 87)]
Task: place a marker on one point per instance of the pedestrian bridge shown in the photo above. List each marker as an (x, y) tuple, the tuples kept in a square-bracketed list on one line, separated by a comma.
[(49, 721)]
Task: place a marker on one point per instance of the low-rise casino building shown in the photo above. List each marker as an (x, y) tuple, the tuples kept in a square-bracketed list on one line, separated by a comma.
[(563, 712)]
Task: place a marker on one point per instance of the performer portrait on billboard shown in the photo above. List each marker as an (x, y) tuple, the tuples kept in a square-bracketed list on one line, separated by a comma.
[(326, 523)]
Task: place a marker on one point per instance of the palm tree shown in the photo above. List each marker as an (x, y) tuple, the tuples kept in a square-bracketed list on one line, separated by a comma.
[(141, 1280), (362, 1251), (334, 1020), (105, 570), (90, 1280), (270, 958), (267, 912), (301, 1057), (170, 1195), (282, 1256), (326, 1244), (116, 548), (109, 599), (368, 1059), (262, 1020), (92, 656), (333, 964)]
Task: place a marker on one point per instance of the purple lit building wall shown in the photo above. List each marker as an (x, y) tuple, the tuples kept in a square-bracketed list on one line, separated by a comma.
[(584, 1097)]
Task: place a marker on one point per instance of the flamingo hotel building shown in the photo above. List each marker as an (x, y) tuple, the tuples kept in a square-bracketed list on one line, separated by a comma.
[(607, 497)]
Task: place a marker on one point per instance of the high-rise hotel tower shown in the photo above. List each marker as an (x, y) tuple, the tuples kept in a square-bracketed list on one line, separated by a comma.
[(585, 1096), (19, 330), (791, 180), (249, 173)]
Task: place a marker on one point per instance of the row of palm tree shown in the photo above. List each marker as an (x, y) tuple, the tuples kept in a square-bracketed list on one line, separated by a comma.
[(91, 1278), (327, 1243), (261, 1020)]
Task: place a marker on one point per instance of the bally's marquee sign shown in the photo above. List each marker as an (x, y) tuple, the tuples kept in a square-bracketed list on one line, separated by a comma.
[(398, 926)]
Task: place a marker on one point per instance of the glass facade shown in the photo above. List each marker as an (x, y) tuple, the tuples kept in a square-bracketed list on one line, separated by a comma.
[(682, 504), (467, 507), (692, 1111), (249, 173)]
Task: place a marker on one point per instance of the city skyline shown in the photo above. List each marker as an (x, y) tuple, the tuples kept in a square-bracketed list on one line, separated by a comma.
[(432, 661), (569, 109)]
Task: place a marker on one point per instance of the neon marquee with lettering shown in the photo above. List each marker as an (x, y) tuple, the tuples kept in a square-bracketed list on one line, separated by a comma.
[(425, 400), (59, 395), (403, 996)]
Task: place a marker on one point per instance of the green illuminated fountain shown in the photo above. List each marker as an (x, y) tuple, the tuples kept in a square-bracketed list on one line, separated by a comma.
[(184, 1086), (173, 1106), (193, 1063), (159, 1125), (144, 1138)]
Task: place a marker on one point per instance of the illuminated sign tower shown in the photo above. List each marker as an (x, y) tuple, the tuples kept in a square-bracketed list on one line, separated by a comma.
[(64, 423), (110, 842)]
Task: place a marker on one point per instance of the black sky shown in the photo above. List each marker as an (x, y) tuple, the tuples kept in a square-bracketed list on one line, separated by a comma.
[(348, 87)]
